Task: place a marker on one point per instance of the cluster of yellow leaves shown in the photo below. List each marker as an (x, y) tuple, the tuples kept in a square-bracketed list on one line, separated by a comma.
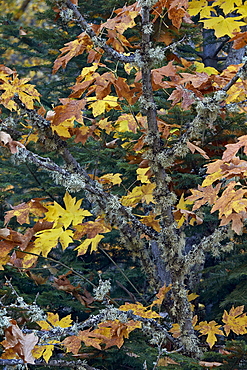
[(12, 85), (61, 218), (143, 193), (235, 321), (59, 225), (45, 349), (234, 12)]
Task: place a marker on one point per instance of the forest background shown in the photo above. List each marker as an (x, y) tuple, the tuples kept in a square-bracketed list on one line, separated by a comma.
[(124, 200)]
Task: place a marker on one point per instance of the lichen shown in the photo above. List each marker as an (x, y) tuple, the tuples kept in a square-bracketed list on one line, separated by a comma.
[(148, 28), (102, 289), (72, 182), (146, 3)]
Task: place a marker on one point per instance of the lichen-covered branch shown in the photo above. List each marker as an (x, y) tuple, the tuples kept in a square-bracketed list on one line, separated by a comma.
[(210, 243), (98, 41), (116, 213)]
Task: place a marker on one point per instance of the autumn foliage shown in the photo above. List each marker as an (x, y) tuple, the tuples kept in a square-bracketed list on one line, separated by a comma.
[(123, 100)]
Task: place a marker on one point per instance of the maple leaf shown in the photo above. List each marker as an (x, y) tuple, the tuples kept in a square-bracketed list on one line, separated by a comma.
[(231, 200), (182, 94), (71, 214), (239, 40), (200, 67), (192, 147), (48, 239), (166, 361), (83, 247), (161, 294), (63, 117), (237, 220), (175, 330), (21, 344), (235, 321), (140, 310), (26, 93), (181, 214), (90, 338), (210, 364), (106, 104), (113, 333), (232, 149), (103, 124), (224, 26), (72, 49), (138, 194), (53, 320), (21, 211), (126, 122), (6, 140), (124, 19), (72, 344), (45, 350), (150, 221), (110, 178), (142, 174), (91, 228), (199, 6), (210, 329), (204, 195)]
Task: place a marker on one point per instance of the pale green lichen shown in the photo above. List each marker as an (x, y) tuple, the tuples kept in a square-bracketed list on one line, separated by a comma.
[(4, 320), (72, 182), (148, 28), (157, 54), (145, 104), (102, 289), (67, 15), (146, 3)]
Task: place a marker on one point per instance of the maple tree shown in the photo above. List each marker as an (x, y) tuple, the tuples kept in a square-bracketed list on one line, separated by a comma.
[(122, 102)]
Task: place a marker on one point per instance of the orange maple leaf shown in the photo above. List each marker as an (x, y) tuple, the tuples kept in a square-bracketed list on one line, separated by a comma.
[(203, 195), (21, 211), (72, 49)]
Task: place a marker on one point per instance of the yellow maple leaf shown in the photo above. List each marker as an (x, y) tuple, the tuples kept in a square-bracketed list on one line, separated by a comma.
[(140, 310), (210, 179), (63, 128), (100, 106), (138, 194), (210, 329), (45, 350), (49, 238), (224, 26), (142, 175), (198, 6), (83, 247), (200, 67), (105, 125), (53, 320), (235, 321), (175, 330), (115, 178), (72, 214), (26, 92), (149, 220), (126, 122), (227, 6)]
